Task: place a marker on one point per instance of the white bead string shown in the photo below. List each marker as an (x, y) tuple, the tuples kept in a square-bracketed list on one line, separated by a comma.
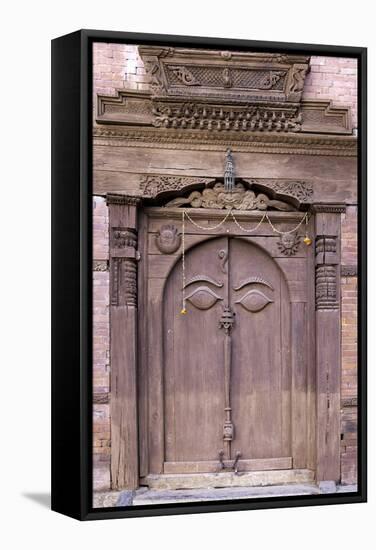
[(305, 218), (211, 228)]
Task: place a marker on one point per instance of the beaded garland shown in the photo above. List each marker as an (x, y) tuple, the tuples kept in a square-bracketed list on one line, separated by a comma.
[(230, 212)]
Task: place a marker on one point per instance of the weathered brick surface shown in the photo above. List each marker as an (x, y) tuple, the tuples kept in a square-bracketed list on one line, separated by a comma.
[(349, 379), (117, 66), (349, 251), (101, 348), (333, 78)]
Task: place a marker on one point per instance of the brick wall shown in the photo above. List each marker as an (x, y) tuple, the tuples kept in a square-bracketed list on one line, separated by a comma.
[(101, 346), (119, 66), (349, 349), (333, 78)]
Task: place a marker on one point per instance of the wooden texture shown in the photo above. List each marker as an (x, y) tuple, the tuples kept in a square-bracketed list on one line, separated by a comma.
[(228, 479), (123, 315), (283, 463), (119, 169), (328, 340), (187, 381)]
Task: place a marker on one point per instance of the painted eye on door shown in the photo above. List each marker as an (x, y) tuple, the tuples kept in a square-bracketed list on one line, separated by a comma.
[(203, 297), (254, 301)]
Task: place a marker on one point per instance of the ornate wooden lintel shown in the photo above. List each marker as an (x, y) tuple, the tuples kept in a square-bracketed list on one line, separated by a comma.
[(295, 192), (256, 142)]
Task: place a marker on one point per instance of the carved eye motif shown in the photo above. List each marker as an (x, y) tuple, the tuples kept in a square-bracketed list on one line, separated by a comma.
[(254, 301), (203, 297)]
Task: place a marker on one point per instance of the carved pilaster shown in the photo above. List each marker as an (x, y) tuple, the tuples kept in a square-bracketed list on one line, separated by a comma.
[(328, 329), (123, 299)]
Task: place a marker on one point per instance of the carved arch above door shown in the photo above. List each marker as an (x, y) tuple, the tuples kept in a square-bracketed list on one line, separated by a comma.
[(296, 193)]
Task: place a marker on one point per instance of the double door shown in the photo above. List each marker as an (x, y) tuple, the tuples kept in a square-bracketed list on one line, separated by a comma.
[(226, 363)]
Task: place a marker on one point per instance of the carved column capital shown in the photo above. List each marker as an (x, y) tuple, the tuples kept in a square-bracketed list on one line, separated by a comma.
[(328, 208), (130, 200), (123, 249)]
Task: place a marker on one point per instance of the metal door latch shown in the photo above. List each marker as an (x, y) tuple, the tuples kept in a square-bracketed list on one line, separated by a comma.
[(234, 467)]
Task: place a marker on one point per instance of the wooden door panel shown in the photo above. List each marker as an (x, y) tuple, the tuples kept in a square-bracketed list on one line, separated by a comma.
[(257, 385), (186, 354), (193, 357)]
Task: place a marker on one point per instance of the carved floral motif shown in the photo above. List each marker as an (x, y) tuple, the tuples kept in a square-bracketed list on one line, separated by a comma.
[(151, 186), (299, 190), (240, 199), (184, 75)]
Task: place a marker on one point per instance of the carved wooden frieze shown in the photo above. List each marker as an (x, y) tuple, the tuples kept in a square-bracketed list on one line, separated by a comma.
[(300, 191), (240, 199), (216, 117), (156, 186), (215, 73), (136, 108), (296, 192)]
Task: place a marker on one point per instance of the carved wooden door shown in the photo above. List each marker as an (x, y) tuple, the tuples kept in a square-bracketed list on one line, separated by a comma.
[(226, 362)]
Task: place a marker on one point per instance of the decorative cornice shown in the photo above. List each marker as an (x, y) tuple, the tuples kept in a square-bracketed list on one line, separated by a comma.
[(349, 270), (211, 73), (327, 208), (123, 199), (277, 143)]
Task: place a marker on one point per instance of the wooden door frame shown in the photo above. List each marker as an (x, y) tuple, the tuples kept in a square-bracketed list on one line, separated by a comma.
[(130, 401)]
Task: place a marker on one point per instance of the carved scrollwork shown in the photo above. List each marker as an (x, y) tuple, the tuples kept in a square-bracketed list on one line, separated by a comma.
[(289, 244), (239, 199), (152, 186), (168, 239), (184, 75), (271, 79)]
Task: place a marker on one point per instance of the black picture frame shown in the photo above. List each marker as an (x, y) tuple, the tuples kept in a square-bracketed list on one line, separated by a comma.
[(72, 275)]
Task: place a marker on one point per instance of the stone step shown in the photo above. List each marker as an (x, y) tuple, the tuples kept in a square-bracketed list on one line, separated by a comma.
[(228, 479), (153, 496)]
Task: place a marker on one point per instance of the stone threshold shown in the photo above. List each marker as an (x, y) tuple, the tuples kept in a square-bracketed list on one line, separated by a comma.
[(146, 496)]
